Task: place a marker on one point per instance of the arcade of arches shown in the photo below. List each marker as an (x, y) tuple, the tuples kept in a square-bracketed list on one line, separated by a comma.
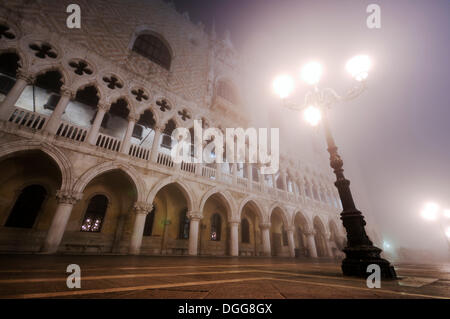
[(101, 214)]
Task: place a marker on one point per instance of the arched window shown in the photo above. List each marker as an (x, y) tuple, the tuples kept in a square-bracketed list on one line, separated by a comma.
[(167, 134), (9, 63), (184, 225), (279, 182), (153, 49), (95, 214), (51, 82), (148, 226), (216, 227), (226, 91), (245, 231), (27, 207)]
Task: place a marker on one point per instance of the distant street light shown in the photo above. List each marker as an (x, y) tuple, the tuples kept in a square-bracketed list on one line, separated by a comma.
[(447, 232), (447, 213), (432, 212), (360, 251)]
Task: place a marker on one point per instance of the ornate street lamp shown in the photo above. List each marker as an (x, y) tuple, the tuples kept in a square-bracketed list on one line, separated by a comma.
[(360, 251)]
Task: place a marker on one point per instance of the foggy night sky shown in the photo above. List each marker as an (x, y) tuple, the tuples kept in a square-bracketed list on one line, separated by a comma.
[(394, 139)]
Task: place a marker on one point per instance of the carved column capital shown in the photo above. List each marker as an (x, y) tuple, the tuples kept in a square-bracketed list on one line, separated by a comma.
[(103, 106), (264, 226), (133, 118), (234, 222), (68, 197), (194, 215), (309, 232), (142, 208), (289, 228), (65, 91), (26, 76)]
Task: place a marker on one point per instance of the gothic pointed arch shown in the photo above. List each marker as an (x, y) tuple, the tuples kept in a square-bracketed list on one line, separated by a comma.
[(90, 174)]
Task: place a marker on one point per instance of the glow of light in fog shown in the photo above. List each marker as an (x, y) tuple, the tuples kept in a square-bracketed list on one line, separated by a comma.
[(386, 245), (312, 115), (430, 211), (447, 213), (283, 85), (359, 67), (311, 73), (447, 232)]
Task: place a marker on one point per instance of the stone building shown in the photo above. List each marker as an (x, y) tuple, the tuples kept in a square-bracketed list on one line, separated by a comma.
[(85, 122)]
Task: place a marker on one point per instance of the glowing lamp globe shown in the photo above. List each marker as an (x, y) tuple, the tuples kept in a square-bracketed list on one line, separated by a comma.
[(359, 67), (311, 73), (283, 85)]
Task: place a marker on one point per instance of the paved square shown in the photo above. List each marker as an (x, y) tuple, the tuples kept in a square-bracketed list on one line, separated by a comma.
[(42, 276)]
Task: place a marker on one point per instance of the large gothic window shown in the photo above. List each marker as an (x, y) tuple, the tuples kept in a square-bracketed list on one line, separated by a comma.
[(216, 227), (27, 207), (148, 226), (153, 49), (95, 214), (245, 231)]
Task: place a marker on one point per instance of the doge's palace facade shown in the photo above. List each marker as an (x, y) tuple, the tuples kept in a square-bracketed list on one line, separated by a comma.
[(85, 122)]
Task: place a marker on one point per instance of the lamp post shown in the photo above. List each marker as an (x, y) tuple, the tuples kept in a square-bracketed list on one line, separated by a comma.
[(360, 251)]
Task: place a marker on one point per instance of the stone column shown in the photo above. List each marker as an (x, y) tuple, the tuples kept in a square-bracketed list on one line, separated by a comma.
[(283, 180), (328, 242), (55, 118), (194, 224), (290, 236), (310, 243), (265, 233), (261, 179), (234, 237), (141, 209), (66, 200), (22, 80), (234, 171), (274, 181), (95, 128), (250, 175), (125, 147), (218, 171), (155, 145)]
